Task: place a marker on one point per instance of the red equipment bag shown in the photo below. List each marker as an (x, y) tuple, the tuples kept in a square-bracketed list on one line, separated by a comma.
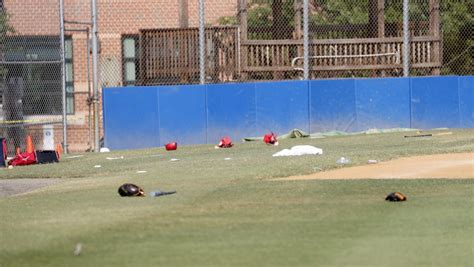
[(23, 159), (270, 139), (171, 146), (225, 142)]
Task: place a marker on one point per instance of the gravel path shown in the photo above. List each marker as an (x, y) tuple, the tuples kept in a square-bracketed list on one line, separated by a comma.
[(10, 187)]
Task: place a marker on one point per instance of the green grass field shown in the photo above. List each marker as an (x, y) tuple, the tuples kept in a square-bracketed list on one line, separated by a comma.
[(228, 213)]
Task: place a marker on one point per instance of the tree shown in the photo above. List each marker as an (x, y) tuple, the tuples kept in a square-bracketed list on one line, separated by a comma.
[(275, 17), (267, 19), (458, 38), (5, 28), (340, 12), (457, 22)]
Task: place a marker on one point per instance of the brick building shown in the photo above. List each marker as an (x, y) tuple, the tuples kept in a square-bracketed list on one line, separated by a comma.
[(119, 22)]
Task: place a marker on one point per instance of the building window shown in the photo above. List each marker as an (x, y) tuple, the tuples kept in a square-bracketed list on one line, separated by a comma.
[(129, 59), (36, 62), (68, 52)]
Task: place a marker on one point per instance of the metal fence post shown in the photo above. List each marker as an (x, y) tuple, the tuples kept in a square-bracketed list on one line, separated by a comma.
[(306, 39), (63, 74), (95, 73), (406, 39), (202, 48)]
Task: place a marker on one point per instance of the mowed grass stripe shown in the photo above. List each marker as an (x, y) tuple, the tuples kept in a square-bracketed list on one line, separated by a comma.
[(303, 223), (227, 213)]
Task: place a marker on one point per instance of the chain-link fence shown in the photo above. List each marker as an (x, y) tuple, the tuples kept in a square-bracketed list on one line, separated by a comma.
[(31, 91), (349, 38), (158, 42)]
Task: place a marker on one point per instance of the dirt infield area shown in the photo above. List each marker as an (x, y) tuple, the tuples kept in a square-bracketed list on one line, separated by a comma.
[(451, 166)]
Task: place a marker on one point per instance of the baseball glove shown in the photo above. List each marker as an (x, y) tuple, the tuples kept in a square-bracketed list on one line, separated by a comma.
[(396, 196), (130, 190)]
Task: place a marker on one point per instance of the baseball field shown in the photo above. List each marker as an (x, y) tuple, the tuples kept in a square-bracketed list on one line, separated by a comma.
[(240, 206)]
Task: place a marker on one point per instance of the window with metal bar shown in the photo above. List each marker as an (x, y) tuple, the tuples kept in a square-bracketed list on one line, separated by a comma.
[(36, 62), (129, 59), (68, 52)]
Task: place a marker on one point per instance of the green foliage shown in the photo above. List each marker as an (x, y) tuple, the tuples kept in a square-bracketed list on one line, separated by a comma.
[(5, 27), (340, 12), (394, 12), (458, 40), (259, 15), (229, 20), (457, 22)]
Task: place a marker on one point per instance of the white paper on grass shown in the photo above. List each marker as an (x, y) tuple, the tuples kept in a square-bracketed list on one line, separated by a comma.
[(104, 150), (73, 157), (299, 151), (112, 158)]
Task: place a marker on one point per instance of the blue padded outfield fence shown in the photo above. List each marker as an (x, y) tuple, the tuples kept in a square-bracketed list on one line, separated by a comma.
[(151, 116)]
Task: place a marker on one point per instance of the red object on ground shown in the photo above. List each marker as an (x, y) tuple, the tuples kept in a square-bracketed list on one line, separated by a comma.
[(23, 159), (225, 142), (171, 146), (270, 139)]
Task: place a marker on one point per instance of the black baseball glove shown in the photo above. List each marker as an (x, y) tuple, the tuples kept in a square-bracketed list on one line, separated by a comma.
[(130, 190), (396, 196)]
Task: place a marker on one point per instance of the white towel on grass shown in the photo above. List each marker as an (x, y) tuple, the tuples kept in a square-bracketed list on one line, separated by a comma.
[(299, 151)]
